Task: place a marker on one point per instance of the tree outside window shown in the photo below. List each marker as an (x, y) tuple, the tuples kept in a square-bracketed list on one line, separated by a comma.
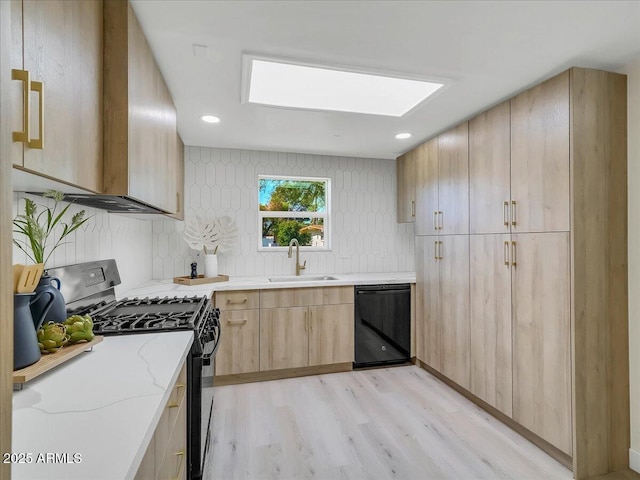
[(293, 207)]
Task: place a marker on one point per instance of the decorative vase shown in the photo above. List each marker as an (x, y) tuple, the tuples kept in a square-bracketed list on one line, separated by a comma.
[(58, 311), (210, 265), (25, 340)]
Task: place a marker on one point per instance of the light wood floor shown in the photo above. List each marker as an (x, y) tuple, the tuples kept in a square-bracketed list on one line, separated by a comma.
[(394, 423)]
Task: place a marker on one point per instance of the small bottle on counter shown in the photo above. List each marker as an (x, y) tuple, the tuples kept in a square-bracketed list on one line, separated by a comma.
[(194, 270)]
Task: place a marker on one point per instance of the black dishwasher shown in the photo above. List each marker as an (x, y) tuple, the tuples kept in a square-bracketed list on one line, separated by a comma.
[(383, 324)]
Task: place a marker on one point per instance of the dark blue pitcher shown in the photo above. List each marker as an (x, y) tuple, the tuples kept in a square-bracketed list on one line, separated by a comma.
[(58, 310), (25, 326)]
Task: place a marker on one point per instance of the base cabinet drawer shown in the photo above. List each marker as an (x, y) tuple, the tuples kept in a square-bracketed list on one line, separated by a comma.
[(237, 300), (239, 349), (166, 455)]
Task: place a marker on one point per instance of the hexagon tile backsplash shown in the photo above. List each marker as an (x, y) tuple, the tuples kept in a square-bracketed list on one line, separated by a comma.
[(105, 235), (365, 235)]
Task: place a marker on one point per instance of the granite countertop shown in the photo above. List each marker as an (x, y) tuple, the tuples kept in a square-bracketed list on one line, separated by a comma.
[(100, 409), (164, 288)]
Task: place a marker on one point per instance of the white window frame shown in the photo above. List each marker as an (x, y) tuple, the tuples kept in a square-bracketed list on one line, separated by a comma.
[(326, 215)]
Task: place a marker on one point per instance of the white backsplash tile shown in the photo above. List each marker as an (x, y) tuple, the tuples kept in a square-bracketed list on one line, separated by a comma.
[(105, 235), (365, 235)]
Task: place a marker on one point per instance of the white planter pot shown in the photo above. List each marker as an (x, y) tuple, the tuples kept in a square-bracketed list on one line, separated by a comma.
[(210, 265)]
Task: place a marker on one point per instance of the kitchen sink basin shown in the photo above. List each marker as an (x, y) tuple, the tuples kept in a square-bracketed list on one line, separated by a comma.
[(304, 278)]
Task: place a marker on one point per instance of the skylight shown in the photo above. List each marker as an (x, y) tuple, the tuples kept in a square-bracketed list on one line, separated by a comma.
[(318, 88)]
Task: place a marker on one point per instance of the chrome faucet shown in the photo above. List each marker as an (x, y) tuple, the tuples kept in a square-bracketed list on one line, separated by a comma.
[(294, 241)]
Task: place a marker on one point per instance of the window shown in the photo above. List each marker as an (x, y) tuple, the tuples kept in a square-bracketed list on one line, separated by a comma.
[(293, 207)]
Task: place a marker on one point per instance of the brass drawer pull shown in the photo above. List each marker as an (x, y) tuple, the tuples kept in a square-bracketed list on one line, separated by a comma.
[(506, 254), (24, 77), (237, 302), (237, 322), (505, 213), (513, 213), (513, 254), (177, 404), (441, 225), (38, 143), (180, 454)]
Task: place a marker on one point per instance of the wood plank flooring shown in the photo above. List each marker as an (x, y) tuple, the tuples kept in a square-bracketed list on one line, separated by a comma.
[(393, 423)]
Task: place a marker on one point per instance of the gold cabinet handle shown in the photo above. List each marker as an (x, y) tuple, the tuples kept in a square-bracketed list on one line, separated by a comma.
[(435, 249), (435, 221), (38, 143), (513, 254), (413, 208), (236, 302), (439, 250), (306, 322), (180, 454), (177, 404), (237, 322), (506, 253), (441, 221), (177, 203), (505, 213), (24, 77), (310, 321), (513, 213)]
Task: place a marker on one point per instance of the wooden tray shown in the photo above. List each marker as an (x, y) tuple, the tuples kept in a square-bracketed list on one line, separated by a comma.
[(200, 280), (52, 360)]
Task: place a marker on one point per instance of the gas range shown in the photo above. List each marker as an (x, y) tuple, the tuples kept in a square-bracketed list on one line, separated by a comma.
[(138, 315), (88, 288)]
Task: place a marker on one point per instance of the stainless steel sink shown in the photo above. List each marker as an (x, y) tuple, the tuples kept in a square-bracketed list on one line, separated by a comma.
[(303, 278)]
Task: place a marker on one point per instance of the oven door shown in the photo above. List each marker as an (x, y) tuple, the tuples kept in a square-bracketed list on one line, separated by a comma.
[(209, 346)]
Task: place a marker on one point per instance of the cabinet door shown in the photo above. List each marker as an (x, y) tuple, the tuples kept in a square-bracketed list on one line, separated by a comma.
[(490, 170), (63, 50), (540, 157), (541, 336), (331, 334), (453, 180), (239, 350), (152, 138), (284, 338), (406, 187), (428, 325), (490, 320), (454, 307), (426, 160)]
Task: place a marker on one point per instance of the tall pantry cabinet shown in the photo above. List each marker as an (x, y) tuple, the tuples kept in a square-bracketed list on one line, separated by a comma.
[(546, 323)]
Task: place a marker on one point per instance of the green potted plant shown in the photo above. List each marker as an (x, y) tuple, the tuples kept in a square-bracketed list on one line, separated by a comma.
[(39, 238)]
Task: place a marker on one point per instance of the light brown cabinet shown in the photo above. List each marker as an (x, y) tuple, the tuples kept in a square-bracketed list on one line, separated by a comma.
[(239, 352), (426, 161), (166, 454), (443, 281), (442, 184), (453, 180), (490, 320), (140, 149), (490, 170), (406, 187), (540, 190), (331, 334), (285, 328), (57, 90), (284, 338), (547, 269), (542, 336)]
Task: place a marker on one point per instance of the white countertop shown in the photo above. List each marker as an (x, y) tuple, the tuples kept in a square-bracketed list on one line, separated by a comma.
[(164, 288), (103, 405)]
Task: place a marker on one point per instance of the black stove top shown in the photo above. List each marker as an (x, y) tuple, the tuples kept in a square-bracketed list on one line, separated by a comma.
[(141, 315)]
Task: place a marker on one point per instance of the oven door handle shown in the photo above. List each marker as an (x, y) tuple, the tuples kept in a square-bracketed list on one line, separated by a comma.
[(206, 357)]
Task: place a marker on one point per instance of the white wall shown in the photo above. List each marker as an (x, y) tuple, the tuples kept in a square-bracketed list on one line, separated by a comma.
[(365, 238), (104, 236), (632, 70)]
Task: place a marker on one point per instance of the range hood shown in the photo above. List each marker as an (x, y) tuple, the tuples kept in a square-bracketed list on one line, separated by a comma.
[(110, 203)]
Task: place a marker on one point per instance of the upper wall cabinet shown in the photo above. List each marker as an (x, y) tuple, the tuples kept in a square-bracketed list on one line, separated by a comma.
[(57, 90), (406, 169), (442, 189), (540, 158), (490, 170), (140, 149)]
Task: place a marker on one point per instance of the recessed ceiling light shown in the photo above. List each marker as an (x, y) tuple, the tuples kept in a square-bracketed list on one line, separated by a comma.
[(210, 119), (325, 88), (402, 136)]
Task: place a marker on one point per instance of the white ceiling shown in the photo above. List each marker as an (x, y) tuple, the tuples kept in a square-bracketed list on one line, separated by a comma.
[(489, 51)]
